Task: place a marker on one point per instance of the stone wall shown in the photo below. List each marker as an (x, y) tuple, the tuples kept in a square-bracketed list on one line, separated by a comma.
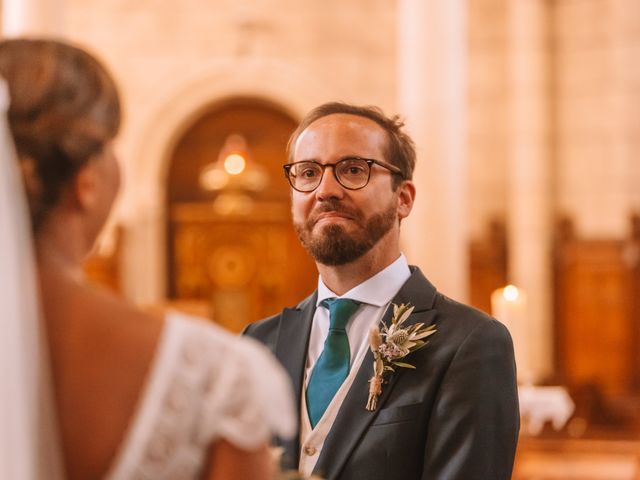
[(173, 59), (597, 46), (594, 90)]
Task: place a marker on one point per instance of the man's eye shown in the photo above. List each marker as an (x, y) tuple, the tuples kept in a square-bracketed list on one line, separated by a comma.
[(308, 173), (352, 170)]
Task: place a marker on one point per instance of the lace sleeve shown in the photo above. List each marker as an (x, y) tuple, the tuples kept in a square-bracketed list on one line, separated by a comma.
[(205, 384), (248, 396)]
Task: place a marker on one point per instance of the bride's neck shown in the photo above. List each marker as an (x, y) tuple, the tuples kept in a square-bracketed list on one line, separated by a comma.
[(61, 246)]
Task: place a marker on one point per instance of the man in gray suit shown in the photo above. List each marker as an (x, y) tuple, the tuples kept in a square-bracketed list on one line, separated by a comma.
[(455, 414)]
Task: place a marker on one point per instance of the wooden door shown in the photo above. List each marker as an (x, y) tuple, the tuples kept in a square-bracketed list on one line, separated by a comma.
[(243, 264)]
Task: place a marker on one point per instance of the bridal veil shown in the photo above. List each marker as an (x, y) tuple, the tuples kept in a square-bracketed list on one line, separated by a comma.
[(29, 444)]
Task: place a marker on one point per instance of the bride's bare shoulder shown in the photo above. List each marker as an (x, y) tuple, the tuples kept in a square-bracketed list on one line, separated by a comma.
[(103, 350), (93, 311)]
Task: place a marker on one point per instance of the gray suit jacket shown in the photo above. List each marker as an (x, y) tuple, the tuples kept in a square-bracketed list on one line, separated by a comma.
[(454, 417)]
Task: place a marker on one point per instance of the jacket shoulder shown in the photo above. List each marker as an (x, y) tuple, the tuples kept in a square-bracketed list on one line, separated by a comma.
[(267, 327), (263, 325), (462, 320)]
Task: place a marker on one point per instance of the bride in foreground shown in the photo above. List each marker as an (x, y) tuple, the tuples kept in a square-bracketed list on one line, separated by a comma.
[(135, 395)]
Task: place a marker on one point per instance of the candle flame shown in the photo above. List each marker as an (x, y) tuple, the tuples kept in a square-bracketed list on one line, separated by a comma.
[(510, 293)]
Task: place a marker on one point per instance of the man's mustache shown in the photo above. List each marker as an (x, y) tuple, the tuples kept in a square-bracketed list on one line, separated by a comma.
[(332, 206)]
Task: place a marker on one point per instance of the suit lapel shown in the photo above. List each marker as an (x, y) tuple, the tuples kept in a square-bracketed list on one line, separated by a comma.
[(291, 350), (353, 419)]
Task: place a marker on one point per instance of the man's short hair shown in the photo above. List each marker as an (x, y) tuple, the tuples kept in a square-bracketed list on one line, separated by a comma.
[(400, 150)]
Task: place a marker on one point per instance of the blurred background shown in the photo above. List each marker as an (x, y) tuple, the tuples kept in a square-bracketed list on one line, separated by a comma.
[(525, 114)]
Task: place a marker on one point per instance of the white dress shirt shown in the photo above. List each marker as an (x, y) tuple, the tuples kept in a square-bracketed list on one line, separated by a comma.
[(375, 294)]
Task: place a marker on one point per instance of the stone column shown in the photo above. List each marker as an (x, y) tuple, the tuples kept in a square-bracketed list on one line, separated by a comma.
[(432, 85), (530, 179), (144, 259), (32, 17)]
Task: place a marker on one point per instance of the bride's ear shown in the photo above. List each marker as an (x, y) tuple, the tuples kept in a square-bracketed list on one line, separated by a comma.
[(85, 186)]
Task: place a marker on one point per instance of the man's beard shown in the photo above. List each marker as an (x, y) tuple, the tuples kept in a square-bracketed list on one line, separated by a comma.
[(332, 245)]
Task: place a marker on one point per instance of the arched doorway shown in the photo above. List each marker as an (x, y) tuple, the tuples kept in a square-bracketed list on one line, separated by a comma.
[(231, 247)]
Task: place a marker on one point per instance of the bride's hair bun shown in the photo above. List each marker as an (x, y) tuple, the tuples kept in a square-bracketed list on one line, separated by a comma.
[(64, 109)]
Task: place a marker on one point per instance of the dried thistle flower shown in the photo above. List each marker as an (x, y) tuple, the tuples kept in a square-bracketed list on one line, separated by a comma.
[(392, 343)]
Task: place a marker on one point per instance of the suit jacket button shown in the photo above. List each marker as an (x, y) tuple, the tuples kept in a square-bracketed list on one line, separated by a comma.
[(309, 450)]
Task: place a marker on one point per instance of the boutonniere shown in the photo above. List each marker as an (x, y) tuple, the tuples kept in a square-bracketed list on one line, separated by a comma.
[(392, 343)]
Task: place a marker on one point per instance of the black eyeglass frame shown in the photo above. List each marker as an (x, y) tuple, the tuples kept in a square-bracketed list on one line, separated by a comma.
[(369, 161)]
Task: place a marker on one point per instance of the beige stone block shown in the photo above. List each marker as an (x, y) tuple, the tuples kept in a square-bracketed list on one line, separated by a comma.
[(582, 24), (584, 72), (486, 16)]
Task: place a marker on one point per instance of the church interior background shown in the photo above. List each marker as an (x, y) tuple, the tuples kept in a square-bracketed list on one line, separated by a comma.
[(525, 115)]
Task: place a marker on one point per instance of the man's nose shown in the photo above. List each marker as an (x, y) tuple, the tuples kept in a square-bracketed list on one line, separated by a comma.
[(329, 186)]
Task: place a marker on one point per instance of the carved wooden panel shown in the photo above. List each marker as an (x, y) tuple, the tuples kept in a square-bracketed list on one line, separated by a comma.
[(235, 249), (246, 266), (488, 269), (596, 292)]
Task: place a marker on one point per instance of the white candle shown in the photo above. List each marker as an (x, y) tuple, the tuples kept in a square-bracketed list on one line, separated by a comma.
[(508, 305)]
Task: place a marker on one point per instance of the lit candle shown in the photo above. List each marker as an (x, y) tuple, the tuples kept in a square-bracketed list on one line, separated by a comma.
[(508, 305)]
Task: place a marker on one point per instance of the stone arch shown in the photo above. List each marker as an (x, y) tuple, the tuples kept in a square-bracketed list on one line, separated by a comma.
[(143, 249)]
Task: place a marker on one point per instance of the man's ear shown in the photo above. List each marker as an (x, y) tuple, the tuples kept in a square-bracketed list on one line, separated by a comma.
[(406, 197), (85, 186)]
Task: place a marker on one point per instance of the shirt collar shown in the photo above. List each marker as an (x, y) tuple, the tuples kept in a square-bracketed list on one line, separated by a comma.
[(377, 290)]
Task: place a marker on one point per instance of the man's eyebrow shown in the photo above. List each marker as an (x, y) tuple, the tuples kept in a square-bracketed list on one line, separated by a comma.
[(342, 157), (306, 160), (347, 157)]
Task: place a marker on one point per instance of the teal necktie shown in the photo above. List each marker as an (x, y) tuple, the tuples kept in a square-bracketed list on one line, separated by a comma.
[(332, 366)]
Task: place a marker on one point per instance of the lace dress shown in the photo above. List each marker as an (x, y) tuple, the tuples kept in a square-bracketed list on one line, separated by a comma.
[(204, 384)]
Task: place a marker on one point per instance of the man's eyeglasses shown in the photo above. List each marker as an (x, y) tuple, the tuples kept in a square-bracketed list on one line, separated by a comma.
[(353, 173)]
